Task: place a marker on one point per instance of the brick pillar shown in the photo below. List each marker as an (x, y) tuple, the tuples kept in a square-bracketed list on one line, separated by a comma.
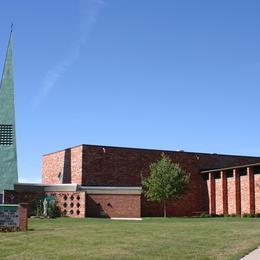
[(237, 191), (23, 216), (224, 192), (251, 186), (212, 197)]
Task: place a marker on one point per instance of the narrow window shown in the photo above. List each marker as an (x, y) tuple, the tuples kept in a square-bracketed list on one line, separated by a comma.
[(242, 172), (205, 176), (256, 170), (229, 173), (217, 175)]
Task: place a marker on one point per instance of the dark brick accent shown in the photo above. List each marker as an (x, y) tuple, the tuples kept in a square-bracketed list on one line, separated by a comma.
[(17, 197)]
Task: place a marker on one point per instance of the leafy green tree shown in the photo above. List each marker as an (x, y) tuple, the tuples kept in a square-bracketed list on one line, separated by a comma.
[(166, 181)]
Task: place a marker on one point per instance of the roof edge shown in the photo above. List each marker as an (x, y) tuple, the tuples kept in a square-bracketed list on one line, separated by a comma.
[(231, 168), (151, 150)]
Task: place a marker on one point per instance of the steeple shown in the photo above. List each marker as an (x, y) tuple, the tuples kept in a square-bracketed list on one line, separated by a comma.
[(8, 156)]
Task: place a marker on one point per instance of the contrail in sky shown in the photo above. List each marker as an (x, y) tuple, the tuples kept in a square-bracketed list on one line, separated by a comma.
[(90, 13)]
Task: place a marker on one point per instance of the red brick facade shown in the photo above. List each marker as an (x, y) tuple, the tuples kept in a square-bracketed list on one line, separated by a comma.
[(113, 206), (235, 191), (63, 167), (91, 165)]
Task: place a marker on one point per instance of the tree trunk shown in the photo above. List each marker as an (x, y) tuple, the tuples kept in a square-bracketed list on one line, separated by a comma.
[(164, 209)]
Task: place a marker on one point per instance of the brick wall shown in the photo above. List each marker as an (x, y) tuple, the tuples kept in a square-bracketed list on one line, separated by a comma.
[(17, 197), (76, 164), (113, 206), (244, 194), (113, 166), (123, 166), (63, 167), (54, 165), (219, 197), (257, 193), (231, 194), (70, 204)]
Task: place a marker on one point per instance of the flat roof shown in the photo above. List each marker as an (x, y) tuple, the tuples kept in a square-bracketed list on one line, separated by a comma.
[(37, 187), (111, 190), (231, 168), (9, 205), (151, 150)]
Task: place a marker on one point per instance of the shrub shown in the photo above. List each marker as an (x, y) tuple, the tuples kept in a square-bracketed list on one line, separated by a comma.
[(204, 215), (247, 215), (53, 211)]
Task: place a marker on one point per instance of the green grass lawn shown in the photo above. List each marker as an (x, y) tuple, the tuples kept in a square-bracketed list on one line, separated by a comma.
[(152, 238)]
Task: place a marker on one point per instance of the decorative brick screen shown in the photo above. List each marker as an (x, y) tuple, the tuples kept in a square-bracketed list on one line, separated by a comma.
[(71, 204)]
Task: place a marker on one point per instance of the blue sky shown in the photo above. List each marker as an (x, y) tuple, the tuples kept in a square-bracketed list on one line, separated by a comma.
[(154, 74)]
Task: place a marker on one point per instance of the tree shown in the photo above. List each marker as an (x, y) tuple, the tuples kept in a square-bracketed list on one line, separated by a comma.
[(167, 181)]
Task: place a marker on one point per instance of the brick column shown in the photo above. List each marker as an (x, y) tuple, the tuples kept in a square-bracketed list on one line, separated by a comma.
[(237, 191), (212, 197), (251, 185), (224, 191), (23, 216)]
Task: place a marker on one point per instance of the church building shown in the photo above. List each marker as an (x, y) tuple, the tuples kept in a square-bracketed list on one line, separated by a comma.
[(106, 181)]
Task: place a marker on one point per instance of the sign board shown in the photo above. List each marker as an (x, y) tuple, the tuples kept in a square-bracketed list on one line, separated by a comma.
[(9, 215)]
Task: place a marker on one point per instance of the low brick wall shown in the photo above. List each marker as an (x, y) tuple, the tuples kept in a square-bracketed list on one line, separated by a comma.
[(20, 197), (113, 206), (70, 204)]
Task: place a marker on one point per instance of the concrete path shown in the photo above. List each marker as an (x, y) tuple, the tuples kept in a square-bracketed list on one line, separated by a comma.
[(254, 255)]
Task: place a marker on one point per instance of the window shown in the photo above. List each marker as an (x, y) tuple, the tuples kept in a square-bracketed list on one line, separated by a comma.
[(205, 176), (6, 134), (242, 172), (60, 176), (217, 175), (229, 173), (257, 170)]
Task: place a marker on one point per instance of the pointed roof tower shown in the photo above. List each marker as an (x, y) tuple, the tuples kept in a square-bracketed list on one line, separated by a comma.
[(8, 155)]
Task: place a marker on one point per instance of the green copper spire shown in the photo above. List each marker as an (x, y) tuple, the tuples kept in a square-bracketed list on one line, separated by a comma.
[(8, 157)]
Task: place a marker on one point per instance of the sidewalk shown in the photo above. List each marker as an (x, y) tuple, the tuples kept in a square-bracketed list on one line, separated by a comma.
[(254, 255)]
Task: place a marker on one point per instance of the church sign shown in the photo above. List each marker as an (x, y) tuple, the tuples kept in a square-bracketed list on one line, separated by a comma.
[(9, 216)]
